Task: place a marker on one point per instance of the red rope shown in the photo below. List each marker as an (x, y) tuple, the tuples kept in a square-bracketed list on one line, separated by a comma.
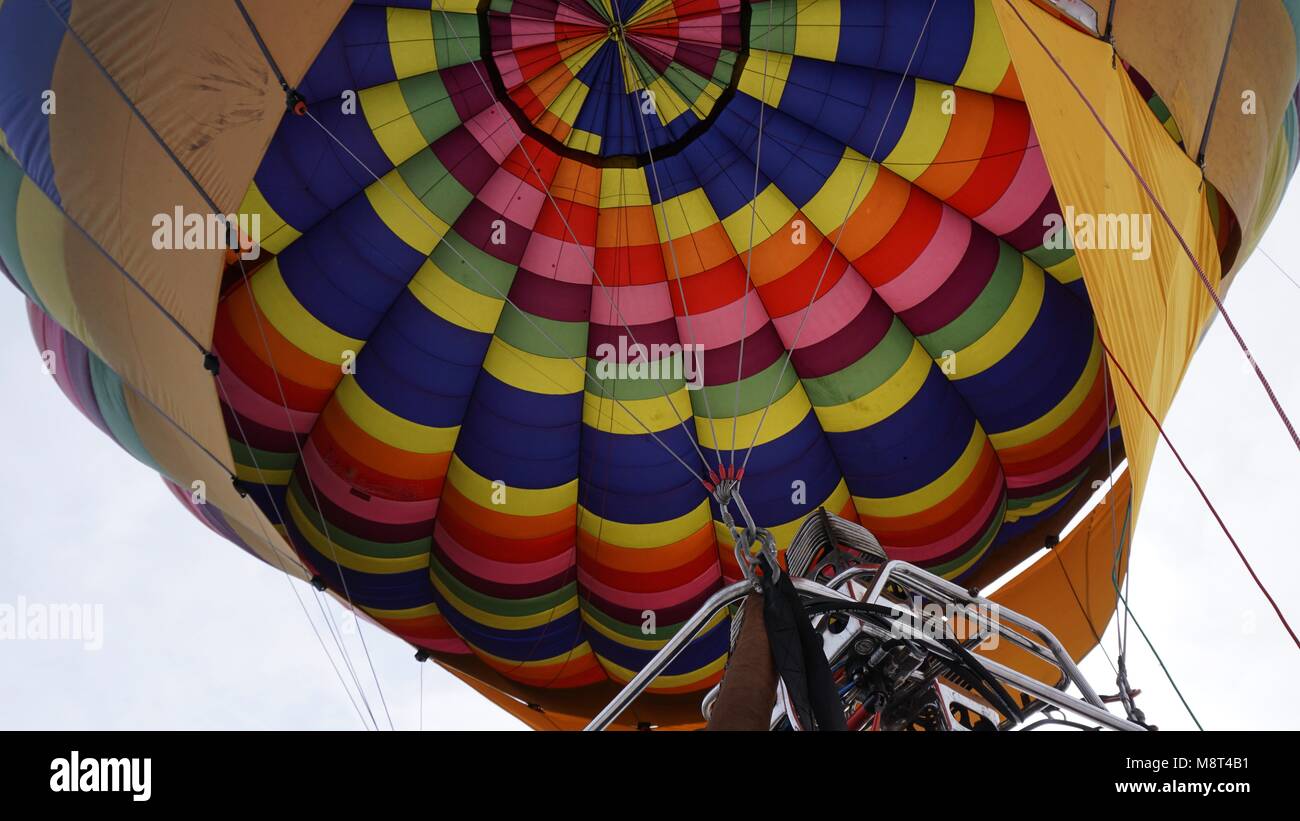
[(1205, 280), (1258, 582)]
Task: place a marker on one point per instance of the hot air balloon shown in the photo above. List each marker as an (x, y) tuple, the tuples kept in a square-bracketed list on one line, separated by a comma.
[(467, 310)]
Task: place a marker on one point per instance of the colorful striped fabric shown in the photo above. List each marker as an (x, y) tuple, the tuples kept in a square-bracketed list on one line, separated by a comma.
[(582, 76), (479, 482), (532, 270)]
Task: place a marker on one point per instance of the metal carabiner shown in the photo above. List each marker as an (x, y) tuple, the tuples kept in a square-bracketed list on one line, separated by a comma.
[(748, 560)]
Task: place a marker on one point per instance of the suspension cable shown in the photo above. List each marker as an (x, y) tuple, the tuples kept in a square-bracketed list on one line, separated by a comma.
[(902, 80), (1213, 510), (626, 57), (258, 518), (210, 361), (1205, 280), (1218, 87), (749, 257), (582, 251), (328, 616), (1151, 646)]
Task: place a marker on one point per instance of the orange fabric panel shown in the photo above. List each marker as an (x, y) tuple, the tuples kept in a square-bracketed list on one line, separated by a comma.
[(1071, 590), (573, 709)]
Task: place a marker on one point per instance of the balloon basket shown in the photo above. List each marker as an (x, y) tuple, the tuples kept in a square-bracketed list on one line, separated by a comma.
[(907, 650)]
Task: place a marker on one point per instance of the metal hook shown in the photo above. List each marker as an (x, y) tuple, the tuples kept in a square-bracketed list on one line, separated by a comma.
[(745, 539)]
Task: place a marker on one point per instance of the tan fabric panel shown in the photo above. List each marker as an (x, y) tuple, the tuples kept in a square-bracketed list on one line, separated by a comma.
[(194, 70), (203, 84), (1150, 311), (183, 462), (196, 74), (113, 179), (1177, 45)]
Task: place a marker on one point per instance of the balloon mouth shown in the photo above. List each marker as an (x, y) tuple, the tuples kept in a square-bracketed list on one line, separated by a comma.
[(609, 91)]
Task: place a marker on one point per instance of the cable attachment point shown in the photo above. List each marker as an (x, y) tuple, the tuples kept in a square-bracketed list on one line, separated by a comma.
[(319, 583), (211, 364), (755, 546), (422, 655), (295, 102), (241, 487)]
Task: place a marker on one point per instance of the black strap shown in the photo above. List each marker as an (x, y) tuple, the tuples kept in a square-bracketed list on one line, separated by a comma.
[(798, 658)]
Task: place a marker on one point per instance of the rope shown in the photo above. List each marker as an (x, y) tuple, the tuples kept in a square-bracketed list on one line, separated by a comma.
[(222, 465), (582, 251), (1213, 510), (749, 258), (1205, 280), (209, 358), (839, 235), (1129, 610)]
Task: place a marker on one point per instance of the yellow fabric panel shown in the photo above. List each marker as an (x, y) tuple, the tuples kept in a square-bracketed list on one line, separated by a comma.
[(635, 416), (1081, 565), (410, 35), (768, 213), (388, 427), (924, 135), (406, 214), (988, 61), (1150, 312), (783, 415), (852, 180), (814, 21), (765, 75), (276, 233), (665, 680), (516, 501), (644, 536), (390, 118)]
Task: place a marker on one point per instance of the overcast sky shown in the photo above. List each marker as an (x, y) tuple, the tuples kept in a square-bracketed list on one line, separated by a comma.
[(198, 635)]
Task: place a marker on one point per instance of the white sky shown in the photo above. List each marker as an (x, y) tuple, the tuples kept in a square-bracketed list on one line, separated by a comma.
[(198, 635)]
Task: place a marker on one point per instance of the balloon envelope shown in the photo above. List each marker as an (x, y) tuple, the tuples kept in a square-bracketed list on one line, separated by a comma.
[(532, 275)]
